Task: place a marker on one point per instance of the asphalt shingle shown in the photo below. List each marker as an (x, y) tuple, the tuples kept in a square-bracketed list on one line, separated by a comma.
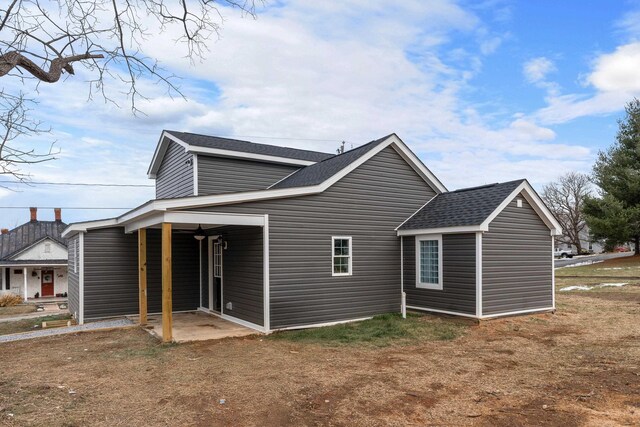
[(464, 207), (319, 172), (249, 147)]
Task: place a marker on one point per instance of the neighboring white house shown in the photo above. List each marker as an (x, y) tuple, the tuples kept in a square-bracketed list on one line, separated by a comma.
[(33, 258), (593, 246)]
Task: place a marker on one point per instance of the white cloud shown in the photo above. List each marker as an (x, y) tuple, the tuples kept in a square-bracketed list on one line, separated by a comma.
[(618, 71), (536, 70)]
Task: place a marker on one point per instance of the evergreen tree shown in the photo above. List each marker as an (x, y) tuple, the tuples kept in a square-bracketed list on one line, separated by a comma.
[(615, 216)]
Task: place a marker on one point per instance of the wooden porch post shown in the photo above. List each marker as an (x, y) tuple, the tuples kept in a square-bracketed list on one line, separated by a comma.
[(167, 315), (142, 274)]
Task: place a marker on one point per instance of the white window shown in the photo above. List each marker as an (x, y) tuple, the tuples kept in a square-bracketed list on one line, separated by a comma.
[(341, 256), (429, 262), (217, 258)]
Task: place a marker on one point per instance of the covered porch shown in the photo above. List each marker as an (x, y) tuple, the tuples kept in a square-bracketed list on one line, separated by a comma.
[(34, 280), (230, 253)]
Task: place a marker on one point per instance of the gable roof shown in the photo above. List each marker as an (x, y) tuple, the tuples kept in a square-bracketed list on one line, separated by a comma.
[(319, 179), (472, 209), (321, 171), (227, 147), (26, 235)]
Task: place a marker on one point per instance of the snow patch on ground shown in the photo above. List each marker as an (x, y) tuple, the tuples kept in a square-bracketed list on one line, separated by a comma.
[(586, 288), (576, 288), (604, 285), (581, 264)]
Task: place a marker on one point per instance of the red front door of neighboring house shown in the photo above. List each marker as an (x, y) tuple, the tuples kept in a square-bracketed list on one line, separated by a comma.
[(47, 283)]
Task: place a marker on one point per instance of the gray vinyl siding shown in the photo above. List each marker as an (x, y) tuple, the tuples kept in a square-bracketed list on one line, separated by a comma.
[(217, 175), (242, 273), (517, 262), (73, 288), (111, 272), (458, 292), (367, 204), (175, 176)]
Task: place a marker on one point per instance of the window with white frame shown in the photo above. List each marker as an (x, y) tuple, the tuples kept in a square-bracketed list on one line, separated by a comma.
[(341, 256), (429, 262)]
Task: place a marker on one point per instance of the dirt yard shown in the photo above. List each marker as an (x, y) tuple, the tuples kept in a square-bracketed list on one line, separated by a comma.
[(579, 367)]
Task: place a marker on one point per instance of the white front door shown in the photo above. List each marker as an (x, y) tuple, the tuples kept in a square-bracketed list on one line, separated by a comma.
[(215, 274)]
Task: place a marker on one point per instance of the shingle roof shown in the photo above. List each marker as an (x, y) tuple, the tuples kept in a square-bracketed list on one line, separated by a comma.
[(464, 207), (319, 172), (249, 147), (25, 235)]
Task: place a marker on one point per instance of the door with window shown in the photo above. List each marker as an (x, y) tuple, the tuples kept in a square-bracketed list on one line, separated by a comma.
[(46, 289), (215, 276)]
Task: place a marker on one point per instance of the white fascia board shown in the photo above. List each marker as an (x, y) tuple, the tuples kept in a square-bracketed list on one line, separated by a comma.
[(81, 227), (417, 164), (536, 203), (250, 156), (160, 151), (208, 218), (442, 230), (251, 196)]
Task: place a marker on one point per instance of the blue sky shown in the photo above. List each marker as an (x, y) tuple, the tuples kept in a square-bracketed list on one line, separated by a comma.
[(481, 91)]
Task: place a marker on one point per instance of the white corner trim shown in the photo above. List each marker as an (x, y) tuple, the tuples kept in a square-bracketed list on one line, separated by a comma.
[(414, 214), (241, 322), (419, 284), (553, 272), (81, 279), (194, 166), (443, 230), (266, 292), (403, 296), (479, 274)]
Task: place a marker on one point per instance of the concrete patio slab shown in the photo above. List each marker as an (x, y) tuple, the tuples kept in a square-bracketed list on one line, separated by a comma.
[(198, 326)]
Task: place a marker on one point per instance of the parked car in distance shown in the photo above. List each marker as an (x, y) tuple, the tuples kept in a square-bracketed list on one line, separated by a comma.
[(621, 249), (564, 253)]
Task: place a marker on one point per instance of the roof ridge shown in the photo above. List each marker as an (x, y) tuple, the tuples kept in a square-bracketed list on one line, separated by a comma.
[(247, 142)]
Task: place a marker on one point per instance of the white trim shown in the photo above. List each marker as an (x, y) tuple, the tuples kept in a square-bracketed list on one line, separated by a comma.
[(44, 263), (479, 274), (536, 203), (161, 149), (241, 322), (513, 313), (419, 283), (80, 227), (210, 260), (3, 280), (413, 214), (553, 272), (529, 194), (265, 273), (320, 325), (24, 278), (282, 179), (333, 255), (200, 269), (455, 313), (211, 218), (403, 296), (442, 230), (81, 279), (194, 166)]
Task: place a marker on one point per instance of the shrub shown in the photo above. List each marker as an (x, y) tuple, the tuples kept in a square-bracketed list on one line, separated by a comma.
[(10, 299)]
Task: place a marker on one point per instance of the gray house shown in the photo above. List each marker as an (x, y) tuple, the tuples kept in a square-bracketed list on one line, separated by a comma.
[(288, 238)]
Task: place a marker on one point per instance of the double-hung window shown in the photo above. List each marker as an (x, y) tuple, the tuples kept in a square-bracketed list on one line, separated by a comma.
[(429, 262), (341, 256)]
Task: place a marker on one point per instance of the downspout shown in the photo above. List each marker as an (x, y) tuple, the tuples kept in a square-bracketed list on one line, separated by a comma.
[(403, 296)]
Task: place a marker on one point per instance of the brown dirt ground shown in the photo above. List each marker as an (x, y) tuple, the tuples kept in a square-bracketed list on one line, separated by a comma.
[(578, 367)]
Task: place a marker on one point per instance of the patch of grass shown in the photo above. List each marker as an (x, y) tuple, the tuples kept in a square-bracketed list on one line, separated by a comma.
[(28, 325), (17, 310), (625, 266), (382, 330)]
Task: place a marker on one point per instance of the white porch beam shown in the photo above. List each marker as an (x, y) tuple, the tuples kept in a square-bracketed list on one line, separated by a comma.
[(208, 218), (3, 270), (24, 276)]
